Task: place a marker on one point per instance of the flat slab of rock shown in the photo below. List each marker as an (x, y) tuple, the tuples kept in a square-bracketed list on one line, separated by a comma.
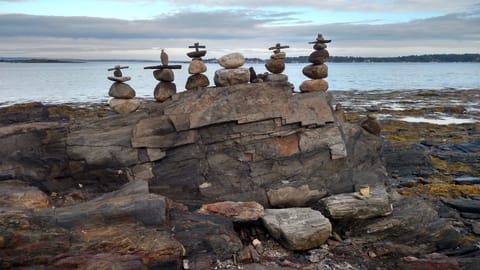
[(132, 203), (464, 205), (238, 211), (294, 196), (356, 206), (253, 102), (297, 228)]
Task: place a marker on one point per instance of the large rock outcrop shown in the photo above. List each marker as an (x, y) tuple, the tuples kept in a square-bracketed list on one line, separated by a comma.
[(237, 143)]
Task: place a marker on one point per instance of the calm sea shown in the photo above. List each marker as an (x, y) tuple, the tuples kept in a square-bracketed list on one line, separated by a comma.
[(87, 82)]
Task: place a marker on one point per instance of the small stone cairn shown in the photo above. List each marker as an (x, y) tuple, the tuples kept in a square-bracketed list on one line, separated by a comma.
[(276, 65), (163, 73), (196, 68), (123, 94), (317, 71), (232, 73)]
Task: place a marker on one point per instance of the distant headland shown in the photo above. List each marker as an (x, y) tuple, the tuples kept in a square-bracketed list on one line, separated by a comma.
[(425, 58)]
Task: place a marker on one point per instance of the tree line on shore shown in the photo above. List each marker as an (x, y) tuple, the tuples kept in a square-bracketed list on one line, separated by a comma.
[(425, 58)]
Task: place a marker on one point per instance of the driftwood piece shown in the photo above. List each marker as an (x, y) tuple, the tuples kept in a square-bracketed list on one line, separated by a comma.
[(132, 203), (356, 206)]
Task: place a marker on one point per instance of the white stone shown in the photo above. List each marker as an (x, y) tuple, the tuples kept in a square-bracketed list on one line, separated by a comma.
[(232, 60)]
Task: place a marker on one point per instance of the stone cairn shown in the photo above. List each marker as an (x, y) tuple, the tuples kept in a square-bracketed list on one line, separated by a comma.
[(123, 94), (276, 65), (196, 68), (232, 73), (317, 71), (163, 73)]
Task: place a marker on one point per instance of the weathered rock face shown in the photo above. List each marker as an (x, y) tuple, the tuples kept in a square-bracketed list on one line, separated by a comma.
[(232, 143)]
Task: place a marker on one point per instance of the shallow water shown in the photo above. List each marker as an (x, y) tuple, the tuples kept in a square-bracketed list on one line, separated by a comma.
[(87, 82)]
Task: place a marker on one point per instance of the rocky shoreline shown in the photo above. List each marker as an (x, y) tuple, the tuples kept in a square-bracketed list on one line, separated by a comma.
[(77, 207)]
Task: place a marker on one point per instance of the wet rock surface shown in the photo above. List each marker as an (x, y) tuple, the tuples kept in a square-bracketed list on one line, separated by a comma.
[(64, 202)]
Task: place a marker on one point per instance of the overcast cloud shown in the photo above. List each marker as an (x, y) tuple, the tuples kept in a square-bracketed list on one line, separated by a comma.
[(250, 30)]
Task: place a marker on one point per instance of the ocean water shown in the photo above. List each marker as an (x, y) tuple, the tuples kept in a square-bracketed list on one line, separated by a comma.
[(87, 82)]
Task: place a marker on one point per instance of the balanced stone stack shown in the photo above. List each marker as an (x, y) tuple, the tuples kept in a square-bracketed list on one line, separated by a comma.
[(276, 65), (163, 73), (196, 68), (232, 73), (317, 71), (123, 94)]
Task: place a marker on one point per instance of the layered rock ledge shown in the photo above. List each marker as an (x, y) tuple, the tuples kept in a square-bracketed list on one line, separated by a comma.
[(237, 143)]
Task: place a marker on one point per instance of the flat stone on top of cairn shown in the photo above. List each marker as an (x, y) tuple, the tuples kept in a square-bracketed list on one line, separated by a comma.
[(276, 65), (165, 89), (318, 70), (197, 68), (123, 94), (232, 73)]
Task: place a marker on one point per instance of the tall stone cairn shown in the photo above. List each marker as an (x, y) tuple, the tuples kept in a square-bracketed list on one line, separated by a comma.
[(317, 71), (276, 65), (163, 73), (196, 68), (123, 94), (232, 72)]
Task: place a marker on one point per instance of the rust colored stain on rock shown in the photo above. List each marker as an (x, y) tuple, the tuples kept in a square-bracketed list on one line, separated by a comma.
[(288, 145)]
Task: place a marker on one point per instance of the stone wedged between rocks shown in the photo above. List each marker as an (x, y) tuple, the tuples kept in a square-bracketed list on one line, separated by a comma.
[(297, 228)]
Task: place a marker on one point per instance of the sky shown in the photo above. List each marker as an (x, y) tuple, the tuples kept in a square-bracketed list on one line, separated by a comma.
[(138, 29)]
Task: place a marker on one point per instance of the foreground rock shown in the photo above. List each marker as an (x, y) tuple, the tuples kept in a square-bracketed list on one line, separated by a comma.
[(297, 228), (113, 227)]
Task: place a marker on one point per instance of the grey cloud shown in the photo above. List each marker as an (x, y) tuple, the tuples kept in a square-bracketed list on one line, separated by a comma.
[(250, 31), (346, 5)]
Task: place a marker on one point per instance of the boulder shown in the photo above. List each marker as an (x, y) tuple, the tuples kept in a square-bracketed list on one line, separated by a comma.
[(357, 206), (232, 60), (121, 105), (297, 228), (316, 71), (228, 77), (121, 90), (197, 81), (164, 91), (164, 75), (237, 211), (318, 85), (197, 67)]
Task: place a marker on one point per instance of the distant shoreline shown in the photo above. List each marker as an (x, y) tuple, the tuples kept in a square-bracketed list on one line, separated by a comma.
[(41, 61), (427, 58)]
